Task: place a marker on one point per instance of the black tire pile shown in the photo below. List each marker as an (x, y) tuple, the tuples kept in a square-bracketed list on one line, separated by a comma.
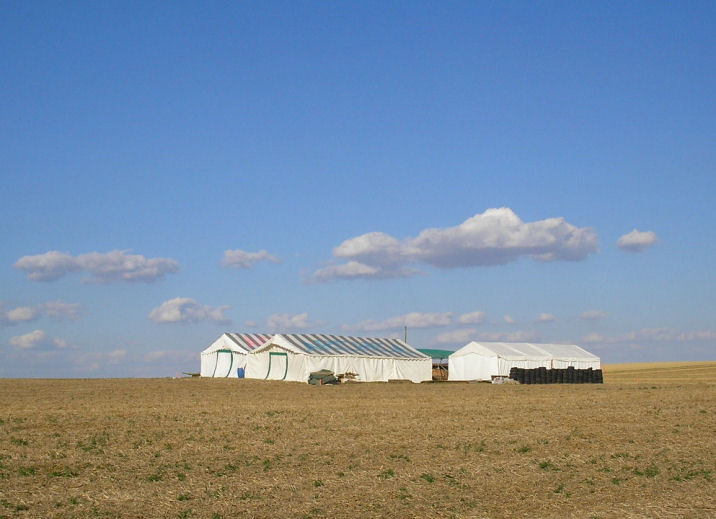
[(569, 375)]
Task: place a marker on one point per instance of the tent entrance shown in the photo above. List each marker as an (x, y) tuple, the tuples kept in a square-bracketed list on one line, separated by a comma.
[(278, 366), (223, 358)]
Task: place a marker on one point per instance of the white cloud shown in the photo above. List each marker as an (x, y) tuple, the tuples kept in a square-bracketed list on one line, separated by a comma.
[(669, 334), (288, 322), (55, 309), (21, 314), (465, 335), (97, 360), (116, 356), (494, 237), (473, 317), (637, 241), (350, 270), (516, 336), (61, 310), (461, 337), (509, 320), (170, 357), (106, 267), (594, 315), (411, 320), (49, 266), (158, 355), (187, 310), (655, 335), (546, 318), (594, 337), (239, 259), (37, 340), (358, 270)]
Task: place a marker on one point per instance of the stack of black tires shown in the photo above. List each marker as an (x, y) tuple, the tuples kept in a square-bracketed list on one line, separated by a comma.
[(569, 375)]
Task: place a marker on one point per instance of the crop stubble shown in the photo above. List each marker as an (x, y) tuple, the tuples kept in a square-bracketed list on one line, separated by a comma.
[(637, 446)]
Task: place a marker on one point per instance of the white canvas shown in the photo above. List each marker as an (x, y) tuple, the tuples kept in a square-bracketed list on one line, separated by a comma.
[(222, 359), (278, 359), (483, 360)]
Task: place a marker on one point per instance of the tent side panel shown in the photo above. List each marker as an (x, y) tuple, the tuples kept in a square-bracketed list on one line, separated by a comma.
[(371, 369), (472, 367), (368, 369), (275, 363), (337, 365), (577, 364), (257, 365), (224, 364), (208, 364), (504, 365), (456, 368), (415, 370)]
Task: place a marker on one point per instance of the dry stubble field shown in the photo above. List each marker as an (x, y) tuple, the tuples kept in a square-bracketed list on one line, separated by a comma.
[(641, 445)]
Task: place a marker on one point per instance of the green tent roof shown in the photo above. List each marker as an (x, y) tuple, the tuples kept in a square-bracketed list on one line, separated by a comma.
[(436, 354)]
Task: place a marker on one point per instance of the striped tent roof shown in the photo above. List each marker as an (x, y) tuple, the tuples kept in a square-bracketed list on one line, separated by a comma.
[(249, 341), (320, 344)]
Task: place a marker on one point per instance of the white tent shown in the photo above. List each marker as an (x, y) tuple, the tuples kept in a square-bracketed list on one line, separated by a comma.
[(295, 356), (483, 360), (227, 354)]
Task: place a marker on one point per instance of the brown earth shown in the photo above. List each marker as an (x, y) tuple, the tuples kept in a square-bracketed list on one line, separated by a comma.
[(640, 445)]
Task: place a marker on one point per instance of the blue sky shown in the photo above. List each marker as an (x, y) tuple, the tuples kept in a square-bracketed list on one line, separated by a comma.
[(475, 171)]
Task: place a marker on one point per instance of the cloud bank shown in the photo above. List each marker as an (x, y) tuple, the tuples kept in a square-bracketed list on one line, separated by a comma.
[(37, 340), (239, 259), (637, 241), (418, 320), (466, 335), (55, 309), (593, 315), (103, 268), (187, 310), (288, 322), (461, 337), (654, 335), (473, 317), (411, 320), (495, 237)]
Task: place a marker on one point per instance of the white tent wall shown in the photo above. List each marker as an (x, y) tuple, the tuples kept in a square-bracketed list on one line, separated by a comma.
[(471, 367), (222, 364), (415, 370), (222, 359), (227, 354), (564, 356), (483, 360), (504, 365), (208, 364), (577, 364), (274, 362)]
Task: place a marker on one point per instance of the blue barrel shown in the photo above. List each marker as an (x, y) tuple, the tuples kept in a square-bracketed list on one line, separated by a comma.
[(240, 372)]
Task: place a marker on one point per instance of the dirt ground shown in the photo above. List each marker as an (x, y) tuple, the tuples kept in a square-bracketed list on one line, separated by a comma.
[(641, 445)]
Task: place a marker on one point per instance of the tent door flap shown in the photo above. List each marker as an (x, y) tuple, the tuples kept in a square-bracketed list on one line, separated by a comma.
[(278, 366)]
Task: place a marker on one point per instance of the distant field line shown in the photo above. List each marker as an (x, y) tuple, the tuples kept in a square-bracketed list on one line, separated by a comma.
[(659, 366)]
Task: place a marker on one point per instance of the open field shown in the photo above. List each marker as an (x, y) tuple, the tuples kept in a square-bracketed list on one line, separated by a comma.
[(661, 372), (241, 448)]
